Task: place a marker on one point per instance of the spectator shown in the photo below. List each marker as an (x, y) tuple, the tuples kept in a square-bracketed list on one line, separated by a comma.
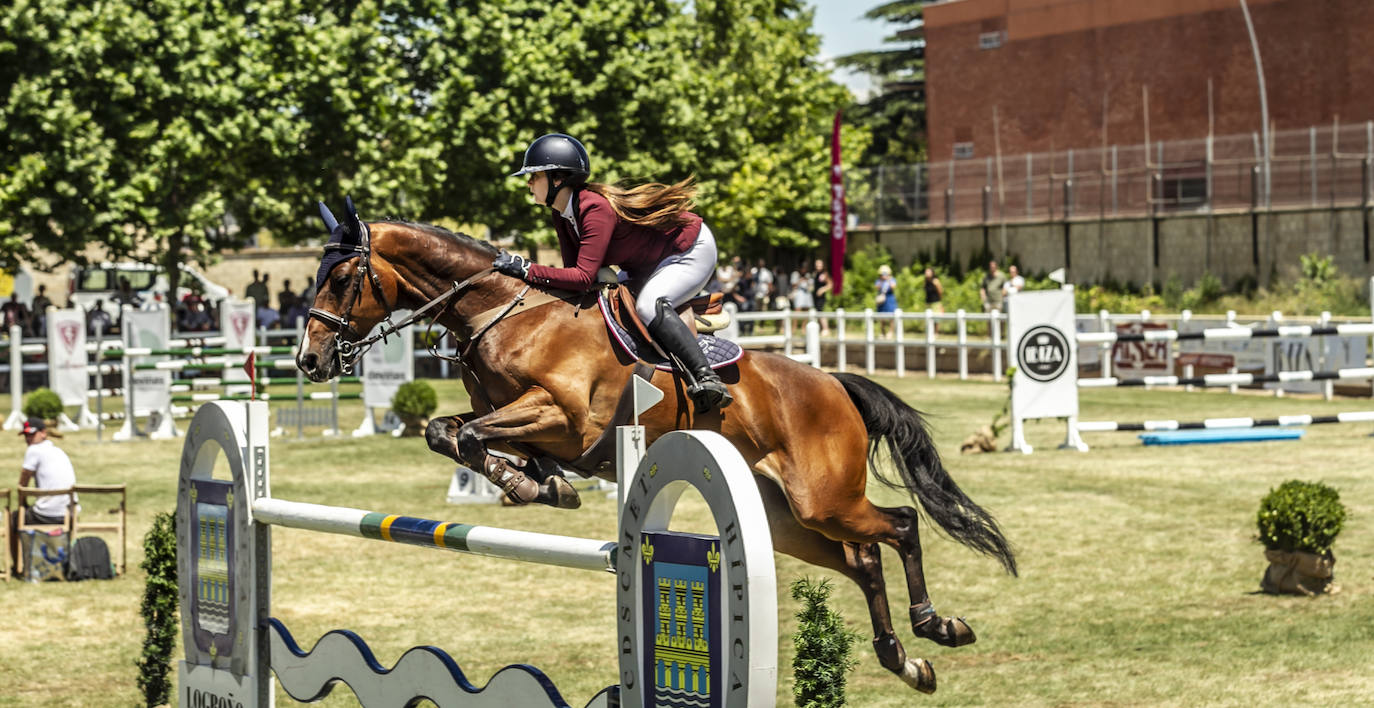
[(266, 316), (744, 298), (991, 290), (935, 292), (125, 294), (286, 299), (823, 290), (14, 313), (48, 467), (886, 299), (728, 275), (1015, 283), (763, 286), (41, 303), (257, 291), (98, 319), (803, 294), (195, 318), (308, 292)]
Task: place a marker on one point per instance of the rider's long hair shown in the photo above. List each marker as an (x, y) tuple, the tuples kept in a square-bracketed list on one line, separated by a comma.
[(658, 206)]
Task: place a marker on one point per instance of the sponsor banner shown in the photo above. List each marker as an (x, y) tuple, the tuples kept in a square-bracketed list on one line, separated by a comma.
[(1327, 353), (151, 329), (387, 365), (1207, 363), (1135, 359), (67, 358), (238, 324), (1247, 355), (1040, 338)]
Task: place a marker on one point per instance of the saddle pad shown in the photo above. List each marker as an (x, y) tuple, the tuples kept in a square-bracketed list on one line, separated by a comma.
[(719, 352)]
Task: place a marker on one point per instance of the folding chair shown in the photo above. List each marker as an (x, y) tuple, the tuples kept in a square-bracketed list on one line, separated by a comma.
[(22, 525), (107, 521)]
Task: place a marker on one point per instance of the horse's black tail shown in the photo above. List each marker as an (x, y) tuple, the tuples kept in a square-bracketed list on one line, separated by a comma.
[(891, 421)]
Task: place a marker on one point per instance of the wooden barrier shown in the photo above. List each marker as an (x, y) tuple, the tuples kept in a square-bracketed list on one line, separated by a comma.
[(711, 601)]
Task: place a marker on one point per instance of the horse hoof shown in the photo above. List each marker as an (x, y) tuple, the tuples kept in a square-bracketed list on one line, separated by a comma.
[(945, 631), (562, 494), (919, 674)]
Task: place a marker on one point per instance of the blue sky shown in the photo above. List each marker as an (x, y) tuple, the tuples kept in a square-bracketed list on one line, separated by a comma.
[(843, 30)]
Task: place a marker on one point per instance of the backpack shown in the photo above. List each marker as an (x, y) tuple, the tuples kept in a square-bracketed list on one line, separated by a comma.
[(89, 560)]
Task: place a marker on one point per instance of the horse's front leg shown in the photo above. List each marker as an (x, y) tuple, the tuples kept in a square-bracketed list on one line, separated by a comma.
[(468, 438)]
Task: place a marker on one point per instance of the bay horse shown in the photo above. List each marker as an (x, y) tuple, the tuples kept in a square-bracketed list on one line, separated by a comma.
[(546, 382)]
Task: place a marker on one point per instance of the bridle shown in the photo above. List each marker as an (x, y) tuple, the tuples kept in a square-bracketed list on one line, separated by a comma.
[(349, 352)]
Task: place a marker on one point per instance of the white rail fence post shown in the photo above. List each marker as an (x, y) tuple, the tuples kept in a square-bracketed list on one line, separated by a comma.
[(842, 343), (900, 343), (962, 324), (930, 343), (16, 418), (868, 339)]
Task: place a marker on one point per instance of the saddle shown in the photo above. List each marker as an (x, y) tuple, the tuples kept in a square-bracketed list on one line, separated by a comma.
[(706, 315)]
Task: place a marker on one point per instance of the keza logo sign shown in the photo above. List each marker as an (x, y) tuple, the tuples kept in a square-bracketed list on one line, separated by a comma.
[(1043, 353)]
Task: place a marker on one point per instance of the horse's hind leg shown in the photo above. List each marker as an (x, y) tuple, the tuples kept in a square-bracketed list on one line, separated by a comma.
[(946, 631), (861, 563)]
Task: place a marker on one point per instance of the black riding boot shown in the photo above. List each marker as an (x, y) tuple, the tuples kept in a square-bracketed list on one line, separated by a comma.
[(706, 390)]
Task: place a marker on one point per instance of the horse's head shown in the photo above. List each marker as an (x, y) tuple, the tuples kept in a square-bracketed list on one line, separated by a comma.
[(351, 297)]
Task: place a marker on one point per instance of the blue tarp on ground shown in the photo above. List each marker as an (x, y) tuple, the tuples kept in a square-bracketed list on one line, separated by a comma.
[(1219, 435)]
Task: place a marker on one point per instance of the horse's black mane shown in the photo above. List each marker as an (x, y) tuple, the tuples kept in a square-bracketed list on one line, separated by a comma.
[(461, 239)]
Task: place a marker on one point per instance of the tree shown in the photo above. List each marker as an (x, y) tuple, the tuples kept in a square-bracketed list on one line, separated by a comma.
[(185, 127), (897, 114), (727, 90)]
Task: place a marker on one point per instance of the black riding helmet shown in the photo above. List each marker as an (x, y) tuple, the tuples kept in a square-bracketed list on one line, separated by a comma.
[(563, 157)]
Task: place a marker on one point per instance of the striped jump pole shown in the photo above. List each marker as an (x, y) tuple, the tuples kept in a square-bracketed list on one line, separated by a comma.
[(1226, 334), (1231, 379), (696, 616), (311, 396), (548, 549), (197, 351), (1214, 423)]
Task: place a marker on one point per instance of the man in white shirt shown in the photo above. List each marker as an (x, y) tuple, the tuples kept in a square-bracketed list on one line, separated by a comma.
[(47, 467), (1015, 283)]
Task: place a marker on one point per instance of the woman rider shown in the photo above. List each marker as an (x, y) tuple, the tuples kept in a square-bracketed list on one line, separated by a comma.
[(647, 231)]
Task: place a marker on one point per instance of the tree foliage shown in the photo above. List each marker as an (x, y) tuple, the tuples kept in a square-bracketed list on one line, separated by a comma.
[(185, 127), (896, 115)]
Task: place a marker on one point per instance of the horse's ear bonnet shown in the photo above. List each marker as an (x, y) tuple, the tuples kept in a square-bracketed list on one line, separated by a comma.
[(345, 240)]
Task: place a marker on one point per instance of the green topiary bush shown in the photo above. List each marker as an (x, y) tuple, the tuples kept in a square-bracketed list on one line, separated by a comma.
[(415, 400), (160, 610), (43, 403), (1301, 516), (824, 648)]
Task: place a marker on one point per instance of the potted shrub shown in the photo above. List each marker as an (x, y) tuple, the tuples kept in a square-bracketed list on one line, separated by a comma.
[(43, 403), (1298, 522), (413, 403)]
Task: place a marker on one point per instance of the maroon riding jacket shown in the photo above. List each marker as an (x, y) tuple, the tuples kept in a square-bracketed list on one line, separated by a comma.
[(605, 240)]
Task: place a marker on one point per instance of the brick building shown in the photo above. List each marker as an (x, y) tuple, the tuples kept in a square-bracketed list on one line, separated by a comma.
[(1069, 74)]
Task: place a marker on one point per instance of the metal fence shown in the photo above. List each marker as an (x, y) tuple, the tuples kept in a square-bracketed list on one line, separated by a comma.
[(1319, 166)]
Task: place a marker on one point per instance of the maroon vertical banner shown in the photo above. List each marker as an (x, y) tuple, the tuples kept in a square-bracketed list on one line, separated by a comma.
[(838, 214)]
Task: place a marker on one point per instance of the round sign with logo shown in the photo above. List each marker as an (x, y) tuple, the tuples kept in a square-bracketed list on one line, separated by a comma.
[(1043, 353)]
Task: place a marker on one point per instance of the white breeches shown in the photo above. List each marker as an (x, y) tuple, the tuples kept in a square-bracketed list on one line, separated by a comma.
[(680, 276)]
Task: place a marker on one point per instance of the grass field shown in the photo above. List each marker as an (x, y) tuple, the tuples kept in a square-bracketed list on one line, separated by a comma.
[(1139, 572)]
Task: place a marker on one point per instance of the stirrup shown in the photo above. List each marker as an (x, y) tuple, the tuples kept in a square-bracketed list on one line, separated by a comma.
[(710, 393)]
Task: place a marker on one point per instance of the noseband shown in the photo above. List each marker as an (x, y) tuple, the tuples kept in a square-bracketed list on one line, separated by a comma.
[(348, 351)]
